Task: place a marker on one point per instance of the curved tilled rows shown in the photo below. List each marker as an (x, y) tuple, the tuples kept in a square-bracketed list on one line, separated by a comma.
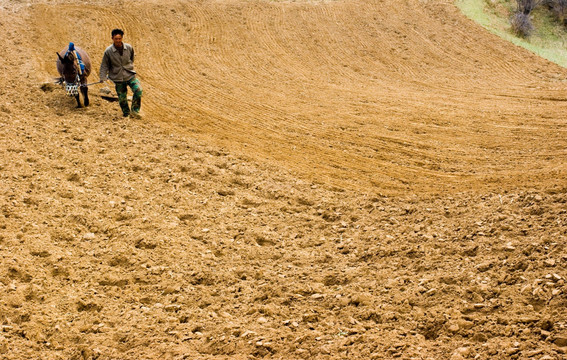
[(356, 94)]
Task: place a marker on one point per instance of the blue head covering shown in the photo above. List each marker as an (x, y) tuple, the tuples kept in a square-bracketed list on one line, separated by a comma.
[(79, 60)]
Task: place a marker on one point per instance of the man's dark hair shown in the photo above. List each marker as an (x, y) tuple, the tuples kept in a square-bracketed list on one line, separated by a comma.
[(117, 32)]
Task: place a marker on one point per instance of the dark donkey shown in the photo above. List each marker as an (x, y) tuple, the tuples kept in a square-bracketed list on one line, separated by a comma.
[(74, 66)]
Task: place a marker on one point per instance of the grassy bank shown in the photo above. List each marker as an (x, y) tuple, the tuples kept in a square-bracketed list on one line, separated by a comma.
[(549, 39)]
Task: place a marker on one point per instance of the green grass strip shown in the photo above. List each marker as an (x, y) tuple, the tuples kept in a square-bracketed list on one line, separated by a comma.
[(548, 40)]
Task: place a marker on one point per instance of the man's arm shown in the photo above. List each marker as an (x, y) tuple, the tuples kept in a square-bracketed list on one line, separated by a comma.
[(132, 54), (104, 68)]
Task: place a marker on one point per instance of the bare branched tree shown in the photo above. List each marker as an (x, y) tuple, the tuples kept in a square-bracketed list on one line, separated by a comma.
[(527, 6), (559, 9), (521, 22)]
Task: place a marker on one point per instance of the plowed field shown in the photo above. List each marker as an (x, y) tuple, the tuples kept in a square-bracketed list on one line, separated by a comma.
[(310, 179)]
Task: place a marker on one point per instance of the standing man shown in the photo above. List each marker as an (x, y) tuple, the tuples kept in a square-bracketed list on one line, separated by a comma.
[(118, 65)]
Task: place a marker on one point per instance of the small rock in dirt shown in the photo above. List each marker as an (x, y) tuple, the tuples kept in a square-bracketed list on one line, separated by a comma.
[(40, 253), (361, 300), (485, 266), (477, 298), (560, 341), (525, 289), (431, 292), (173, 308), (479, 337), (528, 319), (549, 263), (89, 236), (310, 317), (463, 351), (248, 333), (146, 244), (509, 247), (171, 290), (225, 192), (534, 352), (465, 324), (453, 328), (484, 288)]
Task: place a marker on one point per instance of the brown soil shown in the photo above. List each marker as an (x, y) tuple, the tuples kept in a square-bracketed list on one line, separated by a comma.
[(311, 180)]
